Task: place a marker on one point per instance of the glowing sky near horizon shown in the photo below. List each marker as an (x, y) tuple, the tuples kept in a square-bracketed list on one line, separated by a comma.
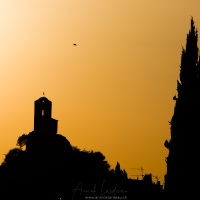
[(113, 91)]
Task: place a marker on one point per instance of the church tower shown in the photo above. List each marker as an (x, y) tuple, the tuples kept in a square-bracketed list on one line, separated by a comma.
[(44, 140), (43, 122)]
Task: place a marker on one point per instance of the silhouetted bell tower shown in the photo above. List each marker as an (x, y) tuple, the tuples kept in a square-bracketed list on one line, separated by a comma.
[(43, 122)]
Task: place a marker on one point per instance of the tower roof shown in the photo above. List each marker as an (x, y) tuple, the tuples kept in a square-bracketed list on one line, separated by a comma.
[(43, 99)]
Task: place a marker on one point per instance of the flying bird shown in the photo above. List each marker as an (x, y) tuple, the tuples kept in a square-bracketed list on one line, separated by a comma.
[(75, 44)]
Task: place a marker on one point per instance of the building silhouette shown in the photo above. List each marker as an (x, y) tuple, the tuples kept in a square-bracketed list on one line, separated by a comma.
[(182, 177), (48, 155), (43, 122), (44, 137)]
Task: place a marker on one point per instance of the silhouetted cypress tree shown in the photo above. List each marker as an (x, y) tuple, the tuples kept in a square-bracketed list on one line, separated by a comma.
[(184, 150)]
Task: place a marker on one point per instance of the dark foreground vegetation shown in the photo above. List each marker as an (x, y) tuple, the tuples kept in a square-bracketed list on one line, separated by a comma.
[(56, 171)]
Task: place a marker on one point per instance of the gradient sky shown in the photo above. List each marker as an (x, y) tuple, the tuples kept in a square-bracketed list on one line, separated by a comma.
[(113, 91)]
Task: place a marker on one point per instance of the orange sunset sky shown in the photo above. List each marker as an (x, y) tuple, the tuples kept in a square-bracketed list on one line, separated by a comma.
[(113, 91)]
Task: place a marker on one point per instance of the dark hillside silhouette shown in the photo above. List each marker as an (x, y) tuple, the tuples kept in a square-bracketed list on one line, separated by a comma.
[(46, 166), (182, 177)]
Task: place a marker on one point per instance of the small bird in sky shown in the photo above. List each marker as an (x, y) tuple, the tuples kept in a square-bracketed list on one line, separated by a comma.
[(75, 44)]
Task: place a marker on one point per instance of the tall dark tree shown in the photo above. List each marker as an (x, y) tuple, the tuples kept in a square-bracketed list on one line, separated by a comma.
[(184, 150)]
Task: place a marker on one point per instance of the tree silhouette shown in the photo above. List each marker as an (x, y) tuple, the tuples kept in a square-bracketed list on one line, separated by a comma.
[(13, 155), (117, 168), (121, 174), (183, 146), (21, 142)]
